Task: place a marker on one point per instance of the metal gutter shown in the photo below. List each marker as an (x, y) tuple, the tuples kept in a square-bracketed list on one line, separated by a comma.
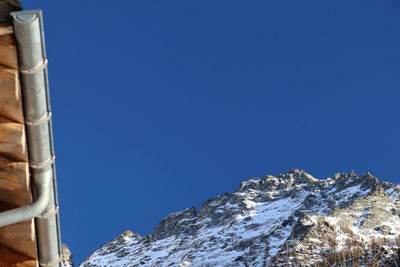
[(28, 29)]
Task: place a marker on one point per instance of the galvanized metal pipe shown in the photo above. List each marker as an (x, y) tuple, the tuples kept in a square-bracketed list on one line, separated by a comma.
[(28, 28), (42, 185)]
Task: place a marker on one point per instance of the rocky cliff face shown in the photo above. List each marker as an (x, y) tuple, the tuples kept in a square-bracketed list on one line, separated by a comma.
[(293, 218), (67, 257)]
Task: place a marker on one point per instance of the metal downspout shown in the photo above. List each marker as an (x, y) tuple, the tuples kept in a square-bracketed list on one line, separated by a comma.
[(28, 29), (42, 185)]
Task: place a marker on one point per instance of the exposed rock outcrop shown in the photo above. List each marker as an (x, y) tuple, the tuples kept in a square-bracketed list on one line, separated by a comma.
[(292, 218)]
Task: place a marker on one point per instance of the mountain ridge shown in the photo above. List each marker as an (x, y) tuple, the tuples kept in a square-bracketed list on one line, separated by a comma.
[(267, 221)]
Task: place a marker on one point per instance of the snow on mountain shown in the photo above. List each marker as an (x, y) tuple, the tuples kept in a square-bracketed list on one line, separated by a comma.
[(293, 218)]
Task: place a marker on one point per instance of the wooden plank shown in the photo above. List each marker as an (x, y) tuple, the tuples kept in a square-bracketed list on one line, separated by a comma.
[(11, 258), (8, 52), (5, 206), (10, 95), (18, 191), (13, 176), (12, 140), (19, 237), (14, 171), (15, 198)]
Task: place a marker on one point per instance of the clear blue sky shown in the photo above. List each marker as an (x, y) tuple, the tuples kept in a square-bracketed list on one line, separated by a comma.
[(160, 105)]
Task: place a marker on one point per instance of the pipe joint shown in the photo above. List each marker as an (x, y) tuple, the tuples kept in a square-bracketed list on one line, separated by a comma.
[(42, 183), (41, 121), (42, 165), (48, 214), (52, 262), (40, 67)]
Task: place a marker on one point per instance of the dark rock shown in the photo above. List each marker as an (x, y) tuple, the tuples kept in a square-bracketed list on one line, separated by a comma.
[(177, 223)]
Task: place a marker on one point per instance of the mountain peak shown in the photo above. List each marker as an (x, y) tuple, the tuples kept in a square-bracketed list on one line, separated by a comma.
[(285, 181), (299, 176)]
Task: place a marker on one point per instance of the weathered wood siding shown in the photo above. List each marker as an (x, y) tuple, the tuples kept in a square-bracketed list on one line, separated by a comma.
[(17, 242)]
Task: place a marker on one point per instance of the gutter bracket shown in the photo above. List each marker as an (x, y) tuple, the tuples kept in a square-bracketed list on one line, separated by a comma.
[(41, 121), (49, 213), (52, 262), (42, 165), (38, 68)]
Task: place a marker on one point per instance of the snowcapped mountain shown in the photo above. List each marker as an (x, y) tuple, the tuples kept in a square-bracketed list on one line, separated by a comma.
[(293, 219)]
